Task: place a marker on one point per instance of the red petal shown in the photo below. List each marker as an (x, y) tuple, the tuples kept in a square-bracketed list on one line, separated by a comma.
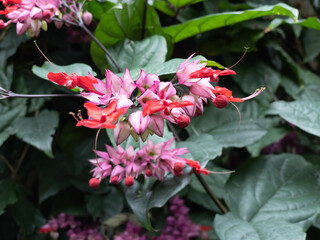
[(59, 78), (93, 111), (152, 107), (86, 82)]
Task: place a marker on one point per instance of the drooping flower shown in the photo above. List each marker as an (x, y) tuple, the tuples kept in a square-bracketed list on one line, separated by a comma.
[(210, 73)]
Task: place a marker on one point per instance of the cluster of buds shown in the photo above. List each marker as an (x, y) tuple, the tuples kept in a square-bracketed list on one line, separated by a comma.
[(32, 15), (139, 108), (76, 229)]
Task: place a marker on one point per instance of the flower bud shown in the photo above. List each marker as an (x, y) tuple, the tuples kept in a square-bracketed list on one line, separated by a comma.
[(148, 172), (129, 181), (178, 167), (220, 101), (94, 182), (182, 121), (114, 179), (87, 18)]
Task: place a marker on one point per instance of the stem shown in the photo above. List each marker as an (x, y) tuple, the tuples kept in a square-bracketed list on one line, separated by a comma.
[(101, 46), (25, 150), (17, 95), (222, 208), (143, 31), (219, 204), (5, 160)]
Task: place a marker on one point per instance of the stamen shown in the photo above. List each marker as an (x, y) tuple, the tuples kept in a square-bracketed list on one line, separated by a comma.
[(245, 52), (239, 116), (95, 148), (35, 43), (74, 116)]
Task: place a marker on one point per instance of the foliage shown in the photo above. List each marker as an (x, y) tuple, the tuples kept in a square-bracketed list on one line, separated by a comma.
[(273, 144)]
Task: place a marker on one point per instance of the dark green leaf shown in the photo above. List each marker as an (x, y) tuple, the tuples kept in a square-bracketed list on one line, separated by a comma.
[(142, 202), (120, 22), (202, 148), (311, 44), (97, 8), (284, 187), (230, 226), (8, 195), (303, 114), (105, 206), (273, 135), (139, 54), (226, 129), (214, 21), (38, 131)]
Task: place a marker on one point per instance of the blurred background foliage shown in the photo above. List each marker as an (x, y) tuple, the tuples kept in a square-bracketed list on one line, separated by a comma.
[(275, 191)]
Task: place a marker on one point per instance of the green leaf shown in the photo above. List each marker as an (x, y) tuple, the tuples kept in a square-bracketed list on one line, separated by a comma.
[(120, 22), (311, 44), (166, 68), (213, 64), (203, 200), (303, 114), (97, 8), (8, 195), (80, 69), (9, 114), (164, 7), (182, 3), (284, 187), (9, 45), (229, 226), (223, 125), (38, 131), (216, 182), (202, 148), (214, 21), (141, 201), (105, 206), (139, 54), (6, 77), (311, 22), (273, 135)]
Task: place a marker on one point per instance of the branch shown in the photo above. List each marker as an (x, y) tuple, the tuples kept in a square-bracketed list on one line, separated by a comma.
[(219, 204)]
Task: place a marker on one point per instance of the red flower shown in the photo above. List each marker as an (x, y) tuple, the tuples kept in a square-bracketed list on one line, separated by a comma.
[(223, 97), (212, 74), (196, 165), (72, 81), (155, 106), (101, 118)]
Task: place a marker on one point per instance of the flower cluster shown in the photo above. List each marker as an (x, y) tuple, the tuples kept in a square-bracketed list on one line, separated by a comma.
[(178, 226), (77, 229), (32, 15), (151, 160), (139, 108)]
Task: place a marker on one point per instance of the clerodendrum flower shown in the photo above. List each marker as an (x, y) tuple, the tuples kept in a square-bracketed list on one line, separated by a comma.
[(101, 118)]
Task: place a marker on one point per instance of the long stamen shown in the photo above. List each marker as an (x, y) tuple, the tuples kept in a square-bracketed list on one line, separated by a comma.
[(221, 172), (35, 43), (95, 148), (245, 52), (239, 116), (256, 93)]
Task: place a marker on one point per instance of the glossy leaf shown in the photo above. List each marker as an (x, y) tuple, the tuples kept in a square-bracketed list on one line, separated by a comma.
[(139, 54), (226, 129), (303, 114), (38, 131), (284, 187), (230, 226), (214, 21)]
